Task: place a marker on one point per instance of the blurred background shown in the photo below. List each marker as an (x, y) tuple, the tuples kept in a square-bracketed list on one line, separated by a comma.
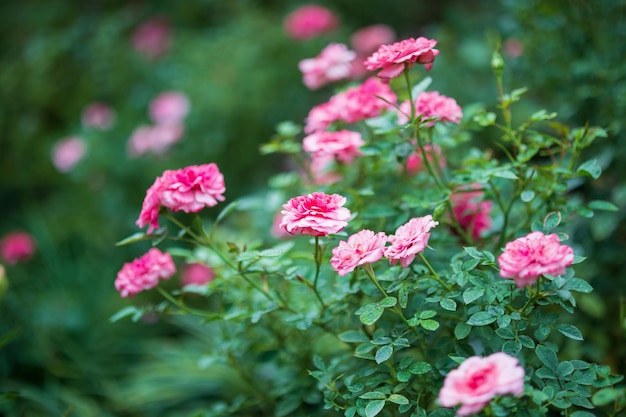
[(73, 174)]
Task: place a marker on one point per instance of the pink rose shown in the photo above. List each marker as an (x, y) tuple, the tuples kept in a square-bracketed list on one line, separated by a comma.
[(392, 58), (342, 144), (431, 105), (170, 107), (189, 189), (316, 214), (144, 273), (352, 105), (322, 170), (367, 40), (67, 152), (309, 21), (470, 211), (477, 380), (410, 239), (364, 247), (196, 274), (155, 139), (415, 161), (332, 64), (152, 38), (526, 258), (17, 247), (99, 116)]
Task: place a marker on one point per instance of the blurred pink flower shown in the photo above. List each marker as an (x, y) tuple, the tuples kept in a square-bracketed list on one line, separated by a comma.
[(143, 273), (471, 212), (332, 64), (67, 152), (17, 247), (536, 254), (367, 39), (410, 239), (391, 58), (189, 189), (152, 38), (342, 144), (316, 214), (170, 107), (155, 139), (415, 161), (513, 47), (98, 115), (309, 21), (364, 247), (431, 104), (196, 274), (477, 380), (352, 105), (322, 170)]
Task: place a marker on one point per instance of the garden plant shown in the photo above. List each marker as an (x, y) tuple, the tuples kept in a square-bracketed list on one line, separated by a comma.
[(413, 268)]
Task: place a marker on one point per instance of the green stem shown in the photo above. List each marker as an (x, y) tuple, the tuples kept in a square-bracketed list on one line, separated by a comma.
[(182, 306), (370, 273), (435, 274), (318, 255)]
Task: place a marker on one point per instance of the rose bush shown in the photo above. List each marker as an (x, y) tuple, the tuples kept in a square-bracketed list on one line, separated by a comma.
[(454, 292)]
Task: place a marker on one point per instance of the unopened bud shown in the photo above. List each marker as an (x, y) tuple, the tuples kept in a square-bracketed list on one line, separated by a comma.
[(497, 63)]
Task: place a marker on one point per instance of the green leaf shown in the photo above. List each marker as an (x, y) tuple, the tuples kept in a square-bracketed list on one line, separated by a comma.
[(485, 119), (384, 353), (527, 196), (590, 168), (370, 313), (353, 336), (448, 304), (419, 368), (602, 205), (581, 413), (462, 330), (570, 331), (527, 342), (473, 252), (427, 314), (510, 175), (388, 302), (547, 357), (373, 395), (481, 318), (564, 369), (472, 294), (606, 396), (125, 312), (577, 284), (421, 86), (431, 325), (350, 411), (551, 221), (398, 399), (374, 407)]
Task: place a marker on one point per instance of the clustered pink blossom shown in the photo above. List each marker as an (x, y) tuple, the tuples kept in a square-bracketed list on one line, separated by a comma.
[(98, 115), (17, 247), (334, 63), (152, 38), (391, 58), (431, 104), (168, 111), (309, 21), (143, 273), (342, 144), (409, 239), (189, 189), (471, 212), (477, 380), (315, 214), (415, 161), (526, 258), (352, 105), (196, 273), (68, 152), (362, 248)]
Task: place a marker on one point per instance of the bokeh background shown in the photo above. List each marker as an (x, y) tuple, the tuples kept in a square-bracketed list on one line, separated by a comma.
[(59, 353)]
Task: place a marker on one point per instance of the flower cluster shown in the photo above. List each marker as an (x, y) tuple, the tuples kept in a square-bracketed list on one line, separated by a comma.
[(352, 105), (471, 211), (68, 152), (17, 247), (144, 273), (315, 214), (309, 21), (431, 104), (392, 59), (189, 189), (342, 144)]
